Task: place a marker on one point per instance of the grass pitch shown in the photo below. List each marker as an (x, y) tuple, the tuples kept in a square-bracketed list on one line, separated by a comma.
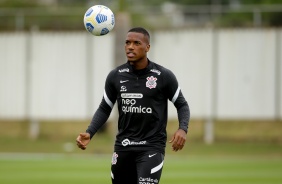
[(244, 153), (80, 168)]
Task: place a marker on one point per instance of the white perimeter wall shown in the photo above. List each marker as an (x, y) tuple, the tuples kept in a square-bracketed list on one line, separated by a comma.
[(222, 73)]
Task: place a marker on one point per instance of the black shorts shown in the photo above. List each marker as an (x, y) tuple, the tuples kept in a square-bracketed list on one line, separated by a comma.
[(140, 167)]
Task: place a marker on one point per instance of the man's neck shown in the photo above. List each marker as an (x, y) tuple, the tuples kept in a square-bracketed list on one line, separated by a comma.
[(139, 65)]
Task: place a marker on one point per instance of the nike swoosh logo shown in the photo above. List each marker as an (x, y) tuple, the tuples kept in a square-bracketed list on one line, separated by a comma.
[(152, 155), (123, 81)]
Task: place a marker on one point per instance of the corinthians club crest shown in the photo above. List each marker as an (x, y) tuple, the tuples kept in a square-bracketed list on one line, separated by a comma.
[(151, 82)]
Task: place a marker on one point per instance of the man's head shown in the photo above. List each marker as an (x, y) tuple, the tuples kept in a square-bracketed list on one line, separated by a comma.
[(141, 30), (137, 44)]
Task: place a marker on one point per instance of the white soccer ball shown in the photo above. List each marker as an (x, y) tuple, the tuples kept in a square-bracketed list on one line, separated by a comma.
[(99, 20)]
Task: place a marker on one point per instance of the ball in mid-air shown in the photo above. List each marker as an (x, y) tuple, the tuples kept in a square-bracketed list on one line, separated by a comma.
[(99, 20)]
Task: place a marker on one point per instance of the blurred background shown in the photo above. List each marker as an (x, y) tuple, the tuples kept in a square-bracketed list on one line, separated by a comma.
[(226, 54)]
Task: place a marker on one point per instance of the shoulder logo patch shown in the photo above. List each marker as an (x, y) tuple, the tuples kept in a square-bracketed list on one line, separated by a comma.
[(151, 82), (156, 71), (123, 70)]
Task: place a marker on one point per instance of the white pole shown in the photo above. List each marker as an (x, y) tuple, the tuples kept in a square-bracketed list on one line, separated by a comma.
[(209, 124)]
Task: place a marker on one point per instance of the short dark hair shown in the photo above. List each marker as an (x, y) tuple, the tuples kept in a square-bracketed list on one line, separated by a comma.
[(140, 30)]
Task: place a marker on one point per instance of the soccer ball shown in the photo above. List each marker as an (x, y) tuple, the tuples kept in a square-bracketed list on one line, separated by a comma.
[(99, 20)]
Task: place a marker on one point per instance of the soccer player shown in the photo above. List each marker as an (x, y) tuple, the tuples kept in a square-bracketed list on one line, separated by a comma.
[(142, 89)]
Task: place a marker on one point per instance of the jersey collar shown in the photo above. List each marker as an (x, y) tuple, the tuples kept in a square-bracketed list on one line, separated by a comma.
[(142, 71)]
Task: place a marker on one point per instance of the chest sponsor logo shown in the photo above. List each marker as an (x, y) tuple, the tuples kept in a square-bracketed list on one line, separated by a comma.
[(151, 82), (127, 142), (131, 95), (128, 106)]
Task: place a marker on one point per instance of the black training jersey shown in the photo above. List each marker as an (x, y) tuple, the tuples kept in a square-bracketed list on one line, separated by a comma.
[(142, 99)]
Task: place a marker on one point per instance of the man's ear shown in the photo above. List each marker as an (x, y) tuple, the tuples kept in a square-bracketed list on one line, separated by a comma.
[(148, 48)]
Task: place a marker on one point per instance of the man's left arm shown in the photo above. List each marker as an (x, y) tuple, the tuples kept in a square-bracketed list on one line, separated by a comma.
[(176, 97), (179, 138)]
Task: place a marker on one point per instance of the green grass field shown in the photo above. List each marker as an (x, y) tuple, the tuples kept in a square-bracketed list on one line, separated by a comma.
[(80, 168), (244, 153)]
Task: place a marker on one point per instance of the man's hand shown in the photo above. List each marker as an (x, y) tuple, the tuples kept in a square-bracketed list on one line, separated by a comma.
[(178, 140), (82, 140)]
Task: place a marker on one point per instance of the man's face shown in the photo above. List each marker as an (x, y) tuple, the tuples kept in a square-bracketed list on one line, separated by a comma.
[(136, 46)]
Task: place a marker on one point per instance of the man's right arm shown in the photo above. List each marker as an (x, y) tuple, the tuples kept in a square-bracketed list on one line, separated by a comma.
[(103, 112), (99, 119)]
